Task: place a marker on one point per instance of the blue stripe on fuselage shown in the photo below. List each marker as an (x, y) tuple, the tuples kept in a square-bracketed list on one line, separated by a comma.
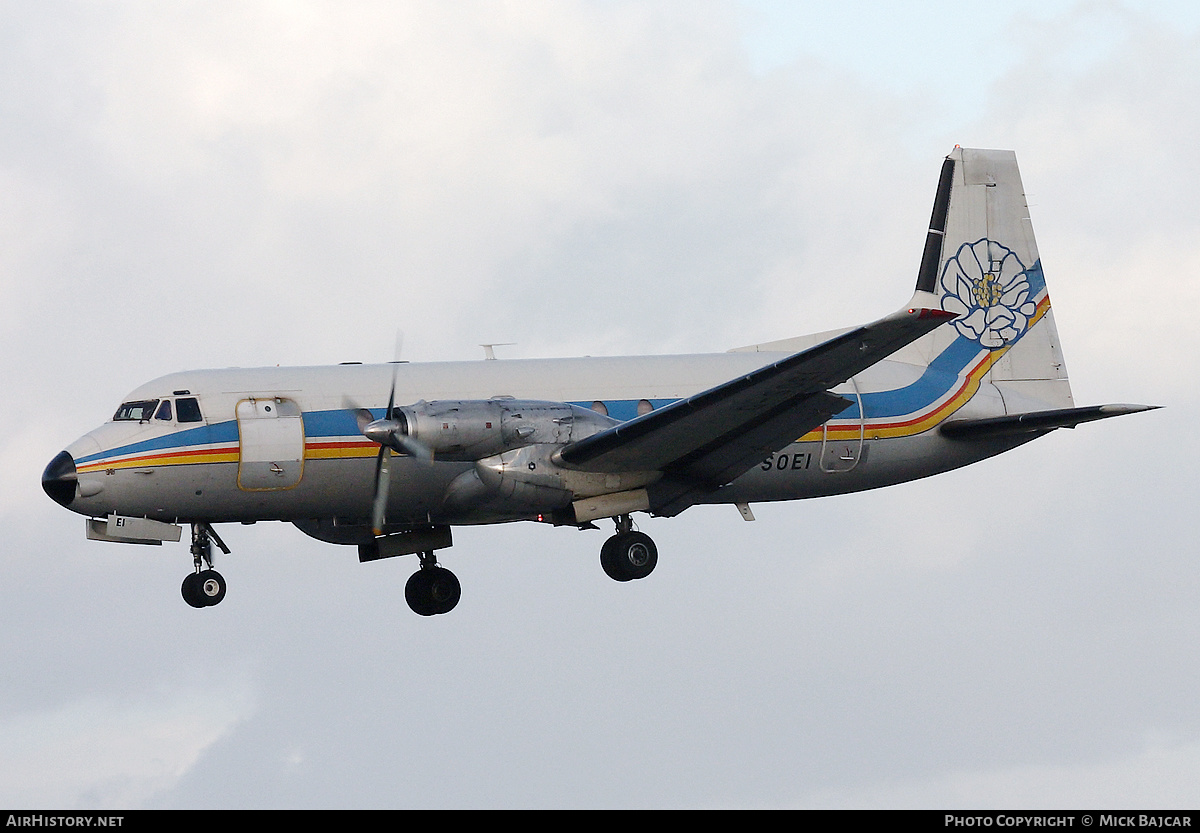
[(937, 379), (221, 432)]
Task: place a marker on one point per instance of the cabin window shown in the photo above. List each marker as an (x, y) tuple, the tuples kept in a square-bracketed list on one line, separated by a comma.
[(188, 410), (644, 407), (164, 411), (136, 411)]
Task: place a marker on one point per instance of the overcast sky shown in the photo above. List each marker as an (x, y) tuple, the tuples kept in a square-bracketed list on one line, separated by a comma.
[(209, 184)]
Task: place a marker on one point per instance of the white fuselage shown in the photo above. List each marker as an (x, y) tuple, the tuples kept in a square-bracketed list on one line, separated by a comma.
[(224, 468)]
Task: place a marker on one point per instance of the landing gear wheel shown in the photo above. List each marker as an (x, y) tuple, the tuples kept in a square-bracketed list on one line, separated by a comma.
[(608, 560), (212, 587), (191, 590), (432, 590), (629, 555), (203, 589)]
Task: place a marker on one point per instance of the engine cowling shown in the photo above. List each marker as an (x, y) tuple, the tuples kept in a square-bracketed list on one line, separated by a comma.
[(472, 429)]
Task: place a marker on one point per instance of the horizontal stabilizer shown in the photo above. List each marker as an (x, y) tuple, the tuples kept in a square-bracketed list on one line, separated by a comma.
[(1033, 423)]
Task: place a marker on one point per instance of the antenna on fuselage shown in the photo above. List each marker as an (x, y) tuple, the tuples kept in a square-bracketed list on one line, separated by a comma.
[(489, 352)]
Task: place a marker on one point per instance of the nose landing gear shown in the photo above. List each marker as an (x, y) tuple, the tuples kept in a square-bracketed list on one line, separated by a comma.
[(204, 587)]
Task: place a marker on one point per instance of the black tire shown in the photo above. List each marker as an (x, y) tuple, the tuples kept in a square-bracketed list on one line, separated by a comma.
[(432, 590), (191, 591), (210, 587), (628, 557), (610, 560)]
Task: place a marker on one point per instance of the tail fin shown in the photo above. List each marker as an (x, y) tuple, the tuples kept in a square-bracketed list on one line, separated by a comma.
[(981, 262)]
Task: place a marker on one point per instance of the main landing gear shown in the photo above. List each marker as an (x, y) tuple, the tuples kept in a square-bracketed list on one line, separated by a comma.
[(628, 555), (432, 589), (205, 587)]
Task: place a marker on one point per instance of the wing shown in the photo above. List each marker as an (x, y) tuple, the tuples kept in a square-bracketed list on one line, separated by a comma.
[(707, 440)]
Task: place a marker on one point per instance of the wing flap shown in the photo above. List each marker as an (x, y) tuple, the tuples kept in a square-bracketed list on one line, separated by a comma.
[(722, 461)]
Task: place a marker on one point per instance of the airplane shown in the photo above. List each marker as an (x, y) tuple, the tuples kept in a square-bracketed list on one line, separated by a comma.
[(969, 368)]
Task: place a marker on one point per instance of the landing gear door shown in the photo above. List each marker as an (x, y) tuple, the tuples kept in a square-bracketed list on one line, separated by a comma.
[(271, 444)]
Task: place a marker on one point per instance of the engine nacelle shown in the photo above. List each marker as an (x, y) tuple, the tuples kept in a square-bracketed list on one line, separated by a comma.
[(471, 429), (530, 478), (525, 477)]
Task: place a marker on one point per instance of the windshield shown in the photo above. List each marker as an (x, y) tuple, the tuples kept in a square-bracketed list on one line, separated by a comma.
[(188, 410), (136, 410)]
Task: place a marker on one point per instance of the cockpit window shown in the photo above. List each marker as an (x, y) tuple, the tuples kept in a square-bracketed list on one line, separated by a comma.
[(188, 410), (135, 411), (164, 411)]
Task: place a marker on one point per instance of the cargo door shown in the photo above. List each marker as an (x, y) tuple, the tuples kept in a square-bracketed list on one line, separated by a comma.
[(842, 444), (271, 444)]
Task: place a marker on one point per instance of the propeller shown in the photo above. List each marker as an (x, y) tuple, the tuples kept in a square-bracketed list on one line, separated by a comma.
[(391, 433)]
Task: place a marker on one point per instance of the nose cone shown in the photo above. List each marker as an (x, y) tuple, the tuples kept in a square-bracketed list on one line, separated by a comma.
[(59, 479)]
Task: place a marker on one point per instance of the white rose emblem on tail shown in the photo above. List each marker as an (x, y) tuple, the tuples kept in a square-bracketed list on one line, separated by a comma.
[(985, 285)]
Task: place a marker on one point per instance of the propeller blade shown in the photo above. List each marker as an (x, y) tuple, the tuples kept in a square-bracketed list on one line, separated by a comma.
[(395, 372), (382, 481), (392, 393), (362, 417), (414, 448)]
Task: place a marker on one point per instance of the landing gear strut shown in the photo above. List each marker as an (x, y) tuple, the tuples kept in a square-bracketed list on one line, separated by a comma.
[(204, 587), (628, 555), (432, 589)]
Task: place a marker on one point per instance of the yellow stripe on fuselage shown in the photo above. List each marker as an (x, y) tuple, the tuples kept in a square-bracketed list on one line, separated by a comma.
[(166, 458)]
